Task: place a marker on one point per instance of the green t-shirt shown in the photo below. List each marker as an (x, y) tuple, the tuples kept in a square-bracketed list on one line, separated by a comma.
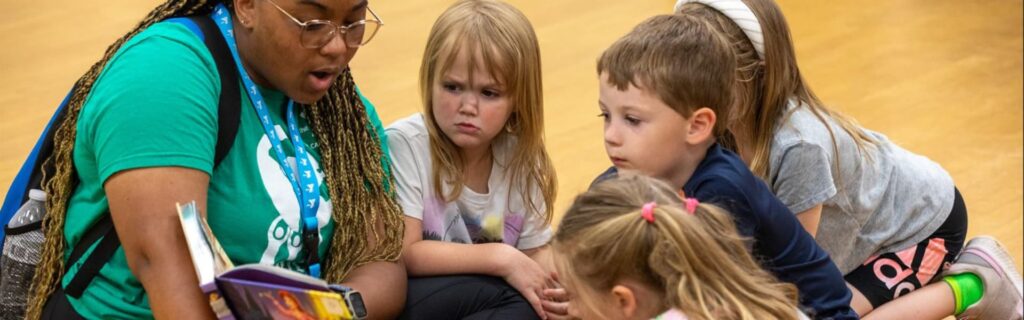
[(155, 105)]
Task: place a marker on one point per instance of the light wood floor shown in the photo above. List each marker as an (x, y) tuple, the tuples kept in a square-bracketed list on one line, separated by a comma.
[(941, 78)]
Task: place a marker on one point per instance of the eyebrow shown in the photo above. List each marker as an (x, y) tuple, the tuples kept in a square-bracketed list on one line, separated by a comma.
[(319, 6), (492, 84), (360, 5), (313, 3), (489, 84), (624, 108), (630, 108), (449, 77)]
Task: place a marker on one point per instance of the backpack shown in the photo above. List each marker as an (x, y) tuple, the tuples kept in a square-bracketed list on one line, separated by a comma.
[(19, 266)]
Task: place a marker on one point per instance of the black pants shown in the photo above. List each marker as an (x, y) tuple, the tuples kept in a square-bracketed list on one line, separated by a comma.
[(58, 307), (464, 297), (893, 274)]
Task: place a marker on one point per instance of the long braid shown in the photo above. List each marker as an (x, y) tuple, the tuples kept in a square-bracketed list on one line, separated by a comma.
[(351, 154), (59, 186), (365, 199)]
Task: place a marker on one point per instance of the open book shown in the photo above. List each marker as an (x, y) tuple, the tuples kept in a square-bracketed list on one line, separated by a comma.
[(255, 291)]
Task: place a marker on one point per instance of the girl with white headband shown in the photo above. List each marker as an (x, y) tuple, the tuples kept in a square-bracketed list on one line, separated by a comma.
[(890, 219)]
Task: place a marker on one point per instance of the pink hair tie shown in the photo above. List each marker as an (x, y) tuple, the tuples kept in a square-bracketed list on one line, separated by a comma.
[(648, 211), (691, 205)]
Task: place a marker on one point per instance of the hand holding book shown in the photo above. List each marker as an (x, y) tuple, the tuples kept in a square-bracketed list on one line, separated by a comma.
[(257, 291)]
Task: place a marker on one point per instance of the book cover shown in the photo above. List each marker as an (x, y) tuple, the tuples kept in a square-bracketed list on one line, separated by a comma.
[(262, 300), (254, 291)]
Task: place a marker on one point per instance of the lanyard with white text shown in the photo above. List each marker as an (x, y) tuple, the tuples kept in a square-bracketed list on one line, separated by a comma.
[(308, 192)]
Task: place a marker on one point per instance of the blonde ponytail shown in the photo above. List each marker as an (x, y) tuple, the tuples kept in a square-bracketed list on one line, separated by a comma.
[(696, 259)]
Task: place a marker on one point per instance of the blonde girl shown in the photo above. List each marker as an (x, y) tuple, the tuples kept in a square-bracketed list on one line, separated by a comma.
[(471, 171), (890, 219), (629, 248)]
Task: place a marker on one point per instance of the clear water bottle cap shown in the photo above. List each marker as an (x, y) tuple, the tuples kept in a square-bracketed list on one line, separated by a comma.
[(37, 195)]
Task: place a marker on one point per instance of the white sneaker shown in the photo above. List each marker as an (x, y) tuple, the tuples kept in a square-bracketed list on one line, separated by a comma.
[(1003, 297)]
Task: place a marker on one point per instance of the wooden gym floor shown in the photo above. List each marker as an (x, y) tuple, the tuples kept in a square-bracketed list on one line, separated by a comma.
[(941, 78)]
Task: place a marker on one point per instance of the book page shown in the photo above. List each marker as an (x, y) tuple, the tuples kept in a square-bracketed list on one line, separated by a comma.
[(275, 275), (222, 262), (198, 244)]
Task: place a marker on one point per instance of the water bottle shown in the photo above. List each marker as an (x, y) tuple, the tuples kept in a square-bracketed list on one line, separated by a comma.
[(30, 212), (21, 253)]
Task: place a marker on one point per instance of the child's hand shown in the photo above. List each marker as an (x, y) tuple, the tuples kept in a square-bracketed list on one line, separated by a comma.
[(556, 299), (556, 303), (527, 276)]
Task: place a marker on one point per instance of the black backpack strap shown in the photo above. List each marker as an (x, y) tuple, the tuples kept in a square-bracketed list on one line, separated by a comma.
[(228, 118), (99, 257), (228, 114)]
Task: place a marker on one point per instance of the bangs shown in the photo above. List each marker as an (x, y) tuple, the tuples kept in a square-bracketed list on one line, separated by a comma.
[(478, 41), (680, 59)]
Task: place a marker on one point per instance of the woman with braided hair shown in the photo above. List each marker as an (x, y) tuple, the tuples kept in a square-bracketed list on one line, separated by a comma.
[(309, 155)]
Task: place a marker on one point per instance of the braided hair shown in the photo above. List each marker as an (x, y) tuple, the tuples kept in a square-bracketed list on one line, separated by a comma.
[(351, 156)]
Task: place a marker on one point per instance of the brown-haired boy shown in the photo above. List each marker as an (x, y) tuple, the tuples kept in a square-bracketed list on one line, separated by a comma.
[(665, 95)]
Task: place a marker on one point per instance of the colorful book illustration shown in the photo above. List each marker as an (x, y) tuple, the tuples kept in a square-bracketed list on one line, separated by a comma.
[(254, 291)]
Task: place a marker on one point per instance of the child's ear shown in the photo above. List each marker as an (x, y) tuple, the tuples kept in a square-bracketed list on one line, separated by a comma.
[(702, 125), (625, 300)]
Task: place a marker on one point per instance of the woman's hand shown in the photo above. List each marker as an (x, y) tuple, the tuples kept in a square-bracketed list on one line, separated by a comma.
[(525, 275)]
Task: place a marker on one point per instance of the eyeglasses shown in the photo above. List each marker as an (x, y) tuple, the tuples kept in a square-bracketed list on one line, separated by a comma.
[(317, 33)]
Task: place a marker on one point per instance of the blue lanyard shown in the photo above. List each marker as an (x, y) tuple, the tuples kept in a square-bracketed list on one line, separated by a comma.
[(306, 188)]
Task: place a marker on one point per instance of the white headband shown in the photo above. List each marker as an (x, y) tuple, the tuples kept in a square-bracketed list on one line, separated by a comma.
[(741, 14)]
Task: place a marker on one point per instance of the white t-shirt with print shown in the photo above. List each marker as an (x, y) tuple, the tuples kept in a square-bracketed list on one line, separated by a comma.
[(499, 216)]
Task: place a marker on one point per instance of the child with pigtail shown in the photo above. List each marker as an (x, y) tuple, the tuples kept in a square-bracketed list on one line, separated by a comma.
[(629, 248)]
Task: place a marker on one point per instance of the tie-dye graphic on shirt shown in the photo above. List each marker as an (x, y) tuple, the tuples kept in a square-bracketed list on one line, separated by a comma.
[(452, 222)]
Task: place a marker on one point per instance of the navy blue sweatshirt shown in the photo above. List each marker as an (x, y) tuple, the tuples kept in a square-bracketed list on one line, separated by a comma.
[(780, 243)]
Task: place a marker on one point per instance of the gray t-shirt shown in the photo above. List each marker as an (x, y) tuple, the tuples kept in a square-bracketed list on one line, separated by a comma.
[(886, 202)]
